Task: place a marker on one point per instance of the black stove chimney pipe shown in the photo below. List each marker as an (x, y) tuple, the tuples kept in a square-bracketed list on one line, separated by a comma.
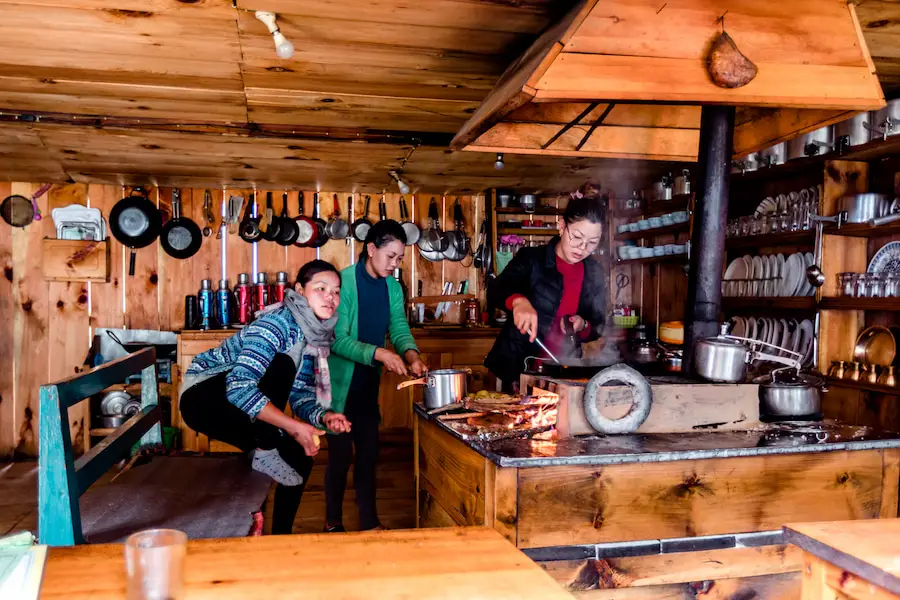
[(708, 238)]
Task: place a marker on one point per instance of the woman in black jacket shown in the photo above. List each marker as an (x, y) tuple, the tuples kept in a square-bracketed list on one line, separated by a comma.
[(556, 292)]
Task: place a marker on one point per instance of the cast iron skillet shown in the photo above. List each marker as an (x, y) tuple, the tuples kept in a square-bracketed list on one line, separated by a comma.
[(272, 231), (135, 222), (321, 237), (181, 237), (289, 232), (249, 224), (362, 225)]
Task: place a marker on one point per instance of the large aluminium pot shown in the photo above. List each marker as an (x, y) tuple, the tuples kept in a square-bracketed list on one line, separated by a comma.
[(721, 359), (853, 131), (813, 143), (789, 396), (442, 387), (862, 208), (887, 120)]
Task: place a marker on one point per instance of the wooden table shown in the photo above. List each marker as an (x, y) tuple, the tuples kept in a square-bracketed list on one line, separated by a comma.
[(463, 562), (849, 559)]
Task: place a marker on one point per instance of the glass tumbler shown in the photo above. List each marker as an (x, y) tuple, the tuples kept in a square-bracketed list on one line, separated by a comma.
[(862, 287), (154, 564), (845, 284), (875, 284)]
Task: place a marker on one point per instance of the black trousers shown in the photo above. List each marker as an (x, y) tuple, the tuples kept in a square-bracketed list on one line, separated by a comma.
[(205, 409), (364, 437)]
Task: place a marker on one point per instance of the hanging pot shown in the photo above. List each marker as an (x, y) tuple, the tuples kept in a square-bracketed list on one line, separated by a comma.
[(433, 238), (458, 244), (249, 229), (270, 225), (135, 222), (289, 231), (306, 227), (19, 211), (181, 237), (814, 143), (321, 236), (337, 228), (362, 225), (412, 231), (853, 131)]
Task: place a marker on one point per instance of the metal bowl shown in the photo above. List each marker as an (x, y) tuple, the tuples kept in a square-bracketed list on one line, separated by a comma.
[(875, 346)]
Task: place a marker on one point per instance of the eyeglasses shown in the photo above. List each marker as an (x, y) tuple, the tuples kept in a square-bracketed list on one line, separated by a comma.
[(576, 242)]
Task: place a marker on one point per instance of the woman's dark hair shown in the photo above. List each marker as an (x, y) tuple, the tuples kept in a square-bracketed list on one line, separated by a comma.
[(382, 233), (312, 268), (588, 205)]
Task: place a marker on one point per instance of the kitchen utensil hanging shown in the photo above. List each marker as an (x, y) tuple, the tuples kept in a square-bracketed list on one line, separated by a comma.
[(208, 214), (19, 211), (249, 228), (289, 231), (181, 237), (321, 236), (433, 239), (362, 225), (337, 228), (135, 222), (306, 227), (269, 224), (458, 243), (413, 233)]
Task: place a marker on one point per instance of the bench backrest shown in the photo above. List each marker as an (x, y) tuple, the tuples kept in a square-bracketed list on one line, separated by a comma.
[(61, 478)]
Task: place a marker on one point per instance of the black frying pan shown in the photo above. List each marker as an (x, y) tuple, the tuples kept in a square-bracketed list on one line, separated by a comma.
[(249, 224), (181, 237), (321, 236), (271, 233), (362, 225), (135, 221), (289, 232)]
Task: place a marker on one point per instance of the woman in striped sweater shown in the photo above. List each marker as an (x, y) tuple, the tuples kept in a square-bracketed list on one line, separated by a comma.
[(237, 392)]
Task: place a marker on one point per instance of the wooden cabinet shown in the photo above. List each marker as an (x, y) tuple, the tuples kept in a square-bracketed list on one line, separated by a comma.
[(441, 348)]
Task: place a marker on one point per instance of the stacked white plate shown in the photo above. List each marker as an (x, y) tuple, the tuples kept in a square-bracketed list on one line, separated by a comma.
[(770, 275), (791, 334)]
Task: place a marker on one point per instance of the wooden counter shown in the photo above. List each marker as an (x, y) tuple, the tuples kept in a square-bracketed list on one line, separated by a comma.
[(440, 347), (453, 563), (657, 511), (848, 559)]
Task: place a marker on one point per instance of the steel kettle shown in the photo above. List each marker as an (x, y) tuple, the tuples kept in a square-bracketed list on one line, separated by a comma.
[(724, 358)]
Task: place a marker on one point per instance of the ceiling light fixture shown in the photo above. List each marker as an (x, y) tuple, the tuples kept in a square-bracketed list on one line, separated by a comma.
[(283, 47), (404, 187), (498, 164)]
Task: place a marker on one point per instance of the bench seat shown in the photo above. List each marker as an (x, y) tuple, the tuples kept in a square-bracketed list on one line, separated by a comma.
[(205, 497)]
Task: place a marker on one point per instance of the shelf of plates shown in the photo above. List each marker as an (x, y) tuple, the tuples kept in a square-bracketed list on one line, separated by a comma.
[(656, 231)]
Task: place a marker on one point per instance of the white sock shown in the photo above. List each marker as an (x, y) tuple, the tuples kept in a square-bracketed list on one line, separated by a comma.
[(270, 463)]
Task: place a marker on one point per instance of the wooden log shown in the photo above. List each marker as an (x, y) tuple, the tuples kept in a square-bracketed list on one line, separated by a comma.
[(584, 505)]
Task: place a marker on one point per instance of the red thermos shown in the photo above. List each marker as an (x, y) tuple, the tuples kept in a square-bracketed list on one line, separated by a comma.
[(281, 283), (243, 295), (260, 292)]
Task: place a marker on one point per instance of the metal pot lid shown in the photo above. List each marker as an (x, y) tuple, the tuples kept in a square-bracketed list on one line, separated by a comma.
[(722, 342), (789, 379)]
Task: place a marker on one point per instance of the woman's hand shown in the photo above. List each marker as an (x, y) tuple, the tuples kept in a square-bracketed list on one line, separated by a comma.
[(525, 317), (578, 324), (336, 422), (416, 365), (391, 361), (307, 436)]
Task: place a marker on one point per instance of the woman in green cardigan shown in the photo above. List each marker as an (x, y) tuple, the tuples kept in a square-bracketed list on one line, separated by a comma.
[(372, 308)]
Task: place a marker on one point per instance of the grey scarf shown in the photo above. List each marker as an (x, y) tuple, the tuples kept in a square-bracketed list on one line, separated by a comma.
[(318, 336)]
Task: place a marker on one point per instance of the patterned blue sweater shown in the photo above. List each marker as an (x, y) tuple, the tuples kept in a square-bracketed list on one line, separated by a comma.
[(246, 355)]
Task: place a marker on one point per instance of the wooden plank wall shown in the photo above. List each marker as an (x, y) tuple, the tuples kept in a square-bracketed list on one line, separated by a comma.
[(47, 326)]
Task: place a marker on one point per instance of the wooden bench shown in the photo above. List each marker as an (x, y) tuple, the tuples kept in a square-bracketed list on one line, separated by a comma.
[(206, 497)]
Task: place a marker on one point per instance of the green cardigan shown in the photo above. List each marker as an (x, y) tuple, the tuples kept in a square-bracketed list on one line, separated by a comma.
[(347, 350)]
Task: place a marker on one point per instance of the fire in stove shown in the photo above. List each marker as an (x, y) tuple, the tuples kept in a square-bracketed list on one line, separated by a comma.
[(492, 415)]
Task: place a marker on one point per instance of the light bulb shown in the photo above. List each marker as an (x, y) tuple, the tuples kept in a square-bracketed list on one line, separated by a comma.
[(498, 164), (404, 188), (283, 47)]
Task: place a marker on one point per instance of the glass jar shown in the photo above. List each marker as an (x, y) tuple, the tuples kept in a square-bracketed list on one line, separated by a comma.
[(846, 285), (861, 285), (891, 285), (875, 285)]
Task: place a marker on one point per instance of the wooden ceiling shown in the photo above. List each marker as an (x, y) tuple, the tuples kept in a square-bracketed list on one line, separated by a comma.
[(191, 91)]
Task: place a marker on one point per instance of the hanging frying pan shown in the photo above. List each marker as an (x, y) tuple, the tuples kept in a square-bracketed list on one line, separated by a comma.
[(362, 225), (306, 227), (135, 222), (458, 245), (180, 237), (273, 229), (337, 228), (289, 232), (433, 239), (413, 233), (249, 229), (382, 209), (19, 211), (321, 234)]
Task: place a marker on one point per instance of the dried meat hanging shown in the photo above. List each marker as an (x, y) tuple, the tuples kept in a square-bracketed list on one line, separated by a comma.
[(727, 66)]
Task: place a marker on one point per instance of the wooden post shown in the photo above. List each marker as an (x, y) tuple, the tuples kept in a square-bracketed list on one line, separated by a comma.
[(59, 517), (150, 398)]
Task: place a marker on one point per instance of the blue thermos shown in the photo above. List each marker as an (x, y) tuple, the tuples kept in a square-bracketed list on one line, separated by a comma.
[(223, 304), (206, 299)]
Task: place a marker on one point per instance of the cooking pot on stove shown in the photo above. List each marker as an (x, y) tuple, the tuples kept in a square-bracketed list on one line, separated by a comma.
[(787, 395), (724, 358), (442, 387)]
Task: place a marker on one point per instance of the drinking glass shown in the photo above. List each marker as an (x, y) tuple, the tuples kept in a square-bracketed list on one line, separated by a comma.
[(846, 286), (154, 564), (875, 284), (862, 285), (891, 285), (744, 223)]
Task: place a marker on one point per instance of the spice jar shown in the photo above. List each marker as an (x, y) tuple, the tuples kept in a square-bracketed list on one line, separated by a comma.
[(837, 369), (887, 376), (853, 372)]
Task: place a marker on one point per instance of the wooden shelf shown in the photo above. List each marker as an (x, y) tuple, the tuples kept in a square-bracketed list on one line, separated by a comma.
[(863, 385), (653, 259), (755, 303), (660, 207), (518, 210), (844, 303), (794, 238), (527, 231), (649, 233), (101, 431), (863, 230)]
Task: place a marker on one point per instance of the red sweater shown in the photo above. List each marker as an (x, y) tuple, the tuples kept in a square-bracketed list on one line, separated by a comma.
[(573, 278)]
